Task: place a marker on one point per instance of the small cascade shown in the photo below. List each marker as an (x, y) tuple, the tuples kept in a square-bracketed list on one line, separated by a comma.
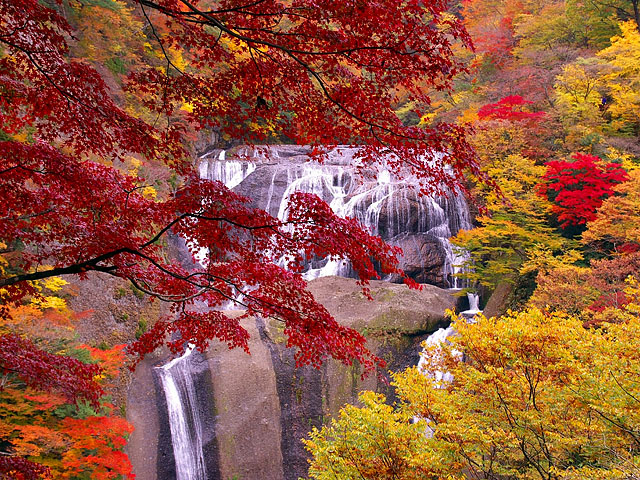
[(474, 306), (440, 336), (184, 418), (230, 172), (436, 339)]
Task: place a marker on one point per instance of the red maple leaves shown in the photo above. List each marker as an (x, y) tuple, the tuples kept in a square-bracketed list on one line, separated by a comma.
[(39, 369), (314, 72), (76, 215), (509, 108), (578, 188)]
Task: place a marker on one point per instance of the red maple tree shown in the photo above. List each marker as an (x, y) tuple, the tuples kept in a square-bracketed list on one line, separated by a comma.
[(316, 72), (577, 188), (509, 108)]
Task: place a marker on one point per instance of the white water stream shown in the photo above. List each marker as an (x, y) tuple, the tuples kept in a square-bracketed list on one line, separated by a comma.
[(184, 419), (387, 205), (440, 336)]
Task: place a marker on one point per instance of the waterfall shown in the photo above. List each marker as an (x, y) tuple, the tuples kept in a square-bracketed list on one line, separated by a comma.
[(474, 302), (440, 336), (230, 172), (184, 418), (436, 339), (382, 202)]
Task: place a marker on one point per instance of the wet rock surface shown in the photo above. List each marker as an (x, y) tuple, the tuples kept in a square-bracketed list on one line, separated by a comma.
[(385, 204)]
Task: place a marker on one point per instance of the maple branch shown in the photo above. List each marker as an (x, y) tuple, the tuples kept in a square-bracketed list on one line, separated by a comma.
[(622, 387), (293, 54), (93, 264), (32, 215), (155, 34), (166, 298), (81, 267), (22, 167)]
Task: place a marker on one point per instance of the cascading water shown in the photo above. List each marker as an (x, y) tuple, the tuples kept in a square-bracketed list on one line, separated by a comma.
[(436, 339), (474, 305), (439, 337), (231, 173), (184, 418), (386, 205)]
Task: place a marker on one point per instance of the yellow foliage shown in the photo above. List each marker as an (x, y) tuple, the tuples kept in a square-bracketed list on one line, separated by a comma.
[(618, 219), (149, 192), (187, 107), (177, 58), (3, 261), (625, 159), (541, 258), (622, 81), (21, 136), (55, 303), (579, 82), (516, 225), (427, 118), (468, 115), (54, 284), (537, 396), (565, 287)]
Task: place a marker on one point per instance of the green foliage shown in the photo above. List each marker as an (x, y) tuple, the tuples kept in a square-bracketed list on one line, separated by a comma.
[(142, 328), (108, 4), (116, 65), (121, 292), (139, 294), (81, 354)]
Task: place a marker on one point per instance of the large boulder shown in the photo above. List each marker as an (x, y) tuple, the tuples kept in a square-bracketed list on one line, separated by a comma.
[(422, 257)]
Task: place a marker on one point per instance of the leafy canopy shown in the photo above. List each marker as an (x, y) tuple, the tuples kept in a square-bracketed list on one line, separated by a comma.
[(577, 188), (537, 397), (311, 72)]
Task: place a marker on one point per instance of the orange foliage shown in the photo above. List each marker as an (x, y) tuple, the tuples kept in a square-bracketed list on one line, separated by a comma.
[(37, 425)]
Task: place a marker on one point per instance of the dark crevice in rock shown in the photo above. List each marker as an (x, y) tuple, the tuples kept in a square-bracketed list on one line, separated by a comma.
[(300, 394)]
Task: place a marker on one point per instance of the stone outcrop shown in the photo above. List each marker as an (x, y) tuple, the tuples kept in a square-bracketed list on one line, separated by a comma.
[(261, 405), (498, 302), (422, 257)]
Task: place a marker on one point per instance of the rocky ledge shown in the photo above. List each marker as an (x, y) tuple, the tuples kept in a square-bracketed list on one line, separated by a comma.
[(259, 406)]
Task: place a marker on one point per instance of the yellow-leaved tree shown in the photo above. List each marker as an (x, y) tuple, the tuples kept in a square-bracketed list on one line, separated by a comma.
[(516, 222), (622, 80), (534, 396)]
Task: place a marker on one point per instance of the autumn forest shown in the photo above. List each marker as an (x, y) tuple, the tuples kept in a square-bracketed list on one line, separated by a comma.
[(526, 111)]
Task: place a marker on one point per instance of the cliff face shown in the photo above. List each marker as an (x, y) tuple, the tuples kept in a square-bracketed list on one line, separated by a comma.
[(255, 408)]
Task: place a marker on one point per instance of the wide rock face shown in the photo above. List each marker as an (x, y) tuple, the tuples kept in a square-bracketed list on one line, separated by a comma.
[(259, 406), (388, 206)]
